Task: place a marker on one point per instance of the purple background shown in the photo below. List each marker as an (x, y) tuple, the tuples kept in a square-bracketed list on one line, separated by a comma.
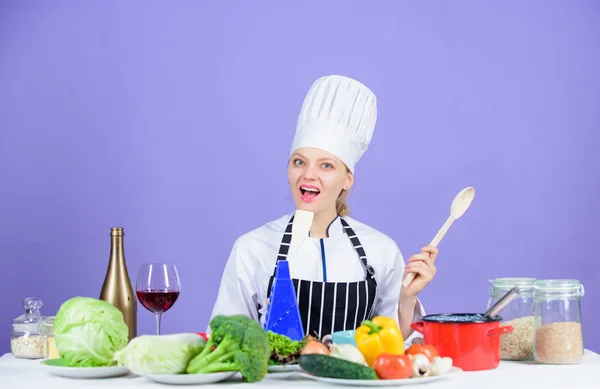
[(174, 121)]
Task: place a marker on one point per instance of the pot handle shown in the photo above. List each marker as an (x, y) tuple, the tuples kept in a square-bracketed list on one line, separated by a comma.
[(500, 331), (418, 326)]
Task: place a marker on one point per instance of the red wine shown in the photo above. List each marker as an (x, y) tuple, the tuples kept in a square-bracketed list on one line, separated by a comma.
[(157, 301)]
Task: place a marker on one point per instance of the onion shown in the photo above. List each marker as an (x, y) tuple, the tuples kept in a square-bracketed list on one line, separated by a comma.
[(315, 347)]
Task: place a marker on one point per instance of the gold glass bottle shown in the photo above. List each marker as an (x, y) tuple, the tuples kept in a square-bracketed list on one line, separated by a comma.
[(117, 288)]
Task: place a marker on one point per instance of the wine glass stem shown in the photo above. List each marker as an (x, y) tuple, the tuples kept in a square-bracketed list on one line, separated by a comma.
[(158, 317)]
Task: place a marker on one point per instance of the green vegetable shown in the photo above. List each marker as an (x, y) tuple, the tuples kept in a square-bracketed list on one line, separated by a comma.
[(332, 367), (241, 344), (88, 332), (283, 349), (160, 354)]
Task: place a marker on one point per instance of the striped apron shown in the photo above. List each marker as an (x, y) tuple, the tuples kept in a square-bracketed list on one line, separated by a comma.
[(327, 307)]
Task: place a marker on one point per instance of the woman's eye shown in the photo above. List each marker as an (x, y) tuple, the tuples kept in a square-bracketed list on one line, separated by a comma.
[(297, 162), (327, 165)]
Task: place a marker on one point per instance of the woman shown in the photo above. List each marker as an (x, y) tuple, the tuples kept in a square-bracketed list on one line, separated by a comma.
[(346, 270)]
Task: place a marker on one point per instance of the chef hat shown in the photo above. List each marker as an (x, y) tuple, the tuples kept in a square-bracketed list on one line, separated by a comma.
[(338, 115)]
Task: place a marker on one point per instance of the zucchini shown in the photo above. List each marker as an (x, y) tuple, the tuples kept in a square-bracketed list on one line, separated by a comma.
[(331, 367)]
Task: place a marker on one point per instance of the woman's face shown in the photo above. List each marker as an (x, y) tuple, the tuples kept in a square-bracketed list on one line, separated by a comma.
[(316, 179)]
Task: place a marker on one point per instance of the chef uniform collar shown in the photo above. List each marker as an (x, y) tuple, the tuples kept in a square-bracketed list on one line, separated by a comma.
[(338, 115)]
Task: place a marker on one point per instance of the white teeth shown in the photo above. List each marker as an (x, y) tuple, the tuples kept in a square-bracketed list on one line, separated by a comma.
[(310, 189)]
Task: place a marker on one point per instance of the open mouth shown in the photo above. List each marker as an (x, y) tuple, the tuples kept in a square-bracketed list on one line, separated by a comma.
[(308, 193)]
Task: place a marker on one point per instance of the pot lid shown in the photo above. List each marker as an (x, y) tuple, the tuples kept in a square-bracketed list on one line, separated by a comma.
[(457, 318)]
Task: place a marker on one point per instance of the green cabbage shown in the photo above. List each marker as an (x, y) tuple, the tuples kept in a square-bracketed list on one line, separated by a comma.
[(160, 354), (88, 331)]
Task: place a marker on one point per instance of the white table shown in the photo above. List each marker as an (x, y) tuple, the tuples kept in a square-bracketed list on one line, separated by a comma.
[(15, 373)]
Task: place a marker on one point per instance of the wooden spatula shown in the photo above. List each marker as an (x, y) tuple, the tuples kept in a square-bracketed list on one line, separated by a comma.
[(302, 223), (458, 207)]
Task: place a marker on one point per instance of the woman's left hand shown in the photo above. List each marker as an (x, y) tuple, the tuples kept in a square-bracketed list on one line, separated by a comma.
[(423, 265)]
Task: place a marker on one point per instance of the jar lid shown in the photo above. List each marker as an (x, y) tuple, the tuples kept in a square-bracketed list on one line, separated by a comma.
[(509, 283), (559, 286), (32, 313)]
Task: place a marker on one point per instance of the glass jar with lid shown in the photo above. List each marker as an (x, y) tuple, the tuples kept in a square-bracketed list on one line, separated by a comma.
[(516, 345), (47, 331), (558, 331), (26, 341)]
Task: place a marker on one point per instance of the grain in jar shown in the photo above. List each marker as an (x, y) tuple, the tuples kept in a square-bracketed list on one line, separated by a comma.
[(516, 345), (27, 346), (558, 330), (559, 343)]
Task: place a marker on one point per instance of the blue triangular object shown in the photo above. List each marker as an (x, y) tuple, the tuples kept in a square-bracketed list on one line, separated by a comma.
[(283, 315)]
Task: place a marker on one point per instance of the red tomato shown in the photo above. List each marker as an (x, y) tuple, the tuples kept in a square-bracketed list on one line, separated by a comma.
[(426, 349), (392, 366)]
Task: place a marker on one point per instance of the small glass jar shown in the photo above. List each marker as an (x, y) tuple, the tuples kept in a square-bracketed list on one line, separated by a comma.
[(47, 331), (26, 341), (558, 331), (516, 345)]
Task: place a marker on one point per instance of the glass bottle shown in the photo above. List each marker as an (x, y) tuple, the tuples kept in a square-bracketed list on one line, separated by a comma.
[(558, 331), (26, 341), (117, 288), (47, 331), (516, 345)]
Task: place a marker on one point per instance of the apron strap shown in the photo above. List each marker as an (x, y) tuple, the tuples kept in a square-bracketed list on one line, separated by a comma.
[(283, 251), (369, 271)]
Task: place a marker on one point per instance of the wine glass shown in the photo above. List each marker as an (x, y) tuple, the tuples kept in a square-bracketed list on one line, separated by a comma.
[(158, 288)]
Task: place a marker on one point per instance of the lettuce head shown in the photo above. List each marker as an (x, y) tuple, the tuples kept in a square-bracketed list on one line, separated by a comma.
[(89, 331), (160, 354)]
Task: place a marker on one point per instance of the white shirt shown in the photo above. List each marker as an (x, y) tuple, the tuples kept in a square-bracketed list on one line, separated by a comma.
[(253, 259)]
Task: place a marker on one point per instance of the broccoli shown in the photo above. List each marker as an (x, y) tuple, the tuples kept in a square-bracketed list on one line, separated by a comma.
[(240, 344)]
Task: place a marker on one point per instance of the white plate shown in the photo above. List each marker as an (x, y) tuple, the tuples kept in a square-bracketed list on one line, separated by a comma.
[(57, 367), (190, 379), (284, 368), (406, 381)]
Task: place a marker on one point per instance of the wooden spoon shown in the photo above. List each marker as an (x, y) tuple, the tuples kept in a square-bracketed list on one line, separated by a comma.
[(458, 207)]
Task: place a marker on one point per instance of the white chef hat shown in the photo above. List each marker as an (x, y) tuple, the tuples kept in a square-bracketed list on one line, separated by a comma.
[(338, 115)]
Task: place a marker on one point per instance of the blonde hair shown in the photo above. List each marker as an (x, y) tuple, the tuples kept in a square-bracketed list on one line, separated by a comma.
[(340, 204)]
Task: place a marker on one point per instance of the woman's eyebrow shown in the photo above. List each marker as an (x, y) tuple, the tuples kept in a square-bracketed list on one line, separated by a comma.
[(328, 159)]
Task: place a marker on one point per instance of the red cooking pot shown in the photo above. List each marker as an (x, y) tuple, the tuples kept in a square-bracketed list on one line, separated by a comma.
[(471, 340)]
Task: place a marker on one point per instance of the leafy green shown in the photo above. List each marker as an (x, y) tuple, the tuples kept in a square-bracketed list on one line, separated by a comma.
[(89, 331), (160, 354), (283, 349), (240, 344)]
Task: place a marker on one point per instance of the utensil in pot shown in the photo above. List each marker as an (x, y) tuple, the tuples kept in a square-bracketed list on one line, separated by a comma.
[(502, 302), (459, 205)]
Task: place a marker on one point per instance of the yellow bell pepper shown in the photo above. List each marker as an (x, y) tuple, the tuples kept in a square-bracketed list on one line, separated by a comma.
[(378, 336)]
